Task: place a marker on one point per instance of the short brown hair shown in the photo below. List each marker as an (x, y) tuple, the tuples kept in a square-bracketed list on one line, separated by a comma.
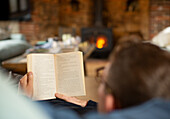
[(139, 72)]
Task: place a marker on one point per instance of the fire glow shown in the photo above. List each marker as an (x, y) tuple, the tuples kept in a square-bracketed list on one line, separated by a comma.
[(101, 42)]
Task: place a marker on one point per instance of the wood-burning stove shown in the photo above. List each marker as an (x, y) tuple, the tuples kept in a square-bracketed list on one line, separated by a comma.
[(99, 35)]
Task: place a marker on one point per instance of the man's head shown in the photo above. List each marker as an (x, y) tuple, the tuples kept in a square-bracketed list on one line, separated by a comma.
[(136, 73)]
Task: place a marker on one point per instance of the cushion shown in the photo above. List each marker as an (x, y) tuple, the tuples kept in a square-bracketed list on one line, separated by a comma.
[(13, 47)]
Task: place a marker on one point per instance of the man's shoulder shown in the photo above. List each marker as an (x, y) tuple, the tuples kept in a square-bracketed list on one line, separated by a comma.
[(152, 109)]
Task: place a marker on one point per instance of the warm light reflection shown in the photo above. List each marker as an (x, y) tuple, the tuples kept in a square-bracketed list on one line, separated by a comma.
[(101, 42)]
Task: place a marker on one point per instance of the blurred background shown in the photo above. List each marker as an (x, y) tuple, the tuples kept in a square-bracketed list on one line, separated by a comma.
[(91, 26), (40, 19)]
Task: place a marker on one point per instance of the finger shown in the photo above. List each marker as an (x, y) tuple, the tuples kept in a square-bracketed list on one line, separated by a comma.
[(23, 81), (73, 100), (30, 79), (66, 98), (59, 95)]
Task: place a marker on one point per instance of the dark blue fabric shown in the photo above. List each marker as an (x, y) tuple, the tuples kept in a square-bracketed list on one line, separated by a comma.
[(153, 109), (55, 103)]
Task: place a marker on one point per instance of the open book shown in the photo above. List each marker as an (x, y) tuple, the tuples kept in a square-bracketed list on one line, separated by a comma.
[(62, 73)]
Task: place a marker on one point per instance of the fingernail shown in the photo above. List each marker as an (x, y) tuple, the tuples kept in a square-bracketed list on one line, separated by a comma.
[(56, 94), (30, 73)]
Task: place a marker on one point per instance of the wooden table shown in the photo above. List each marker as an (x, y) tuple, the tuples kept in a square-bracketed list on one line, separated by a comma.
[(19, 64), (16, 65)]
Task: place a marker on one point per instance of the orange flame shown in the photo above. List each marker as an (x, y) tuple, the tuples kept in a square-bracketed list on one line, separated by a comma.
[(101, 42)]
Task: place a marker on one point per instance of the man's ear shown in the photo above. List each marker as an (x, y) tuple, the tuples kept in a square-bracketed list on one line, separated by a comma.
[(109, 103)]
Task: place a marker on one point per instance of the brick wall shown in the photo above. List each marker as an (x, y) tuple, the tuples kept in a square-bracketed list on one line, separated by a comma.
[(127, 19), (76, 19), (49, 15), (147, 17), (30, 30), (159, 16), (44, 22)]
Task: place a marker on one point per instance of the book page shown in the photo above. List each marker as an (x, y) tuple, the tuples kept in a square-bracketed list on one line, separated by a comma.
[(42, 66), (70, 74)]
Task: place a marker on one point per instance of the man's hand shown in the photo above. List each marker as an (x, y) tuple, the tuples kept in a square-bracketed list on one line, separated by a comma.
[(26, 84), (73, 100)]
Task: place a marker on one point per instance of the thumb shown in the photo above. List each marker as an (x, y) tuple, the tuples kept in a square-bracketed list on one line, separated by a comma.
[(59, 95), (30, 78)]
